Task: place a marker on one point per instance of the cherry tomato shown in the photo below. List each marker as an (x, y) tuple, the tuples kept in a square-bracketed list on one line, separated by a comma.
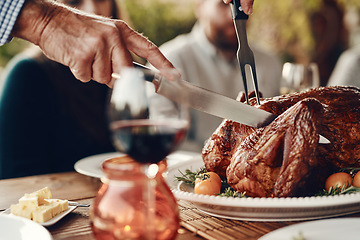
[(356, 180), (339, 179), (214, 177), (208, 183)]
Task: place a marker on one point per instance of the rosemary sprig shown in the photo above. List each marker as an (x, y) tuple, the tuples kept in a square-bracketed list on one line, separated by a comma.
[(338, 190), (230, 192), (189, 176), (351, 170)]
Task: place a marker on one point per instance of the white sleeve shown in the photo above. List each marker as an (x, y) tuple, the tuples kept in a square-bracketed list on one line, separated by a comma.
[(347, 70)]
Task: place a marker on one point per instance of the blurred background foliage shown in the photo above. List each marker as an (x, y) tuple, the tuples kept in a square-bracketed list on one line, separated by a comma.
[(7, 51), (297, 30), (160, 20)]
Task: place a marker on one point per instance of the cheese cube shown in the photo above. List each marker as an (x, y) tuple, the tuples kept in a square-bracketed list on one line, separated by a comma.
[(63, 203), (42, 194), (46, 212), (21, 210), (39, 206), (36, 198), (29, 200)]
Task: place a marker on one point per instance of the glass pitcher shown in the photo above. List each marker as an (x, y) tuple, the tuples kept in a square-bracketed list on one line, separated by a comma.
[(134, 204)]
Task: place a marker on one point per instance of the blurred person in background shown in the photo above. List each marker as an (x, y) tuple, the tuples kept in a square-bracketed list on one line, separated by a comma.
[(347, 68), (49, 120), (207, 57), (330, 37)]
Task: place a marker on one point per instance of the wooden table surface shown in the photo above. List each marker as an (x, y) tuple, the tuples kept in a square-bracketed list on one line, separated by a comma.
[(76, 226)]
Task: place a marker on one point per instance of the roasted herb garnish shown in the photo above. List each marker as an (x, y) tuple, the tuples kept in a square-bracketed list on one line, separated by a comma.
[(230, 192), (189, 176), (351, 170), (338, 190)]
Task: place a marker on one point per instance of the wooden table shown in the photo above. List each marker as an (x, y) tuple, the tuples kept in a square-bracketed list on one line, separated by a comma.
[(76, 226)]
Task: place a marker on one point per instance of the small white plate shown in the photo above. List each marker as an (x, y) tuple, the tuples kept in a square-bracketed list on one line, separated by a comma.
[(51, 221), (18, 228), (91, 166), (329, 229)]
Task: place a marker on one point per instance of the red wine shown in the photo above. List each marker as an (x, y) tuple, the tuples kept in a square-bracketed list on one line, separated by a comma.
[(146, 141)]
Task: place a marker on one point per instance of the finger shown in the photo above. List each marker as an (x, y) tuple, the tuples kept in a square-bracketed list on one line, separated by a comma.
[(120, 55), (81, 73), (101, 67), (80, 64), (144, 48), (111, 55), (111, 83), (247, 6)]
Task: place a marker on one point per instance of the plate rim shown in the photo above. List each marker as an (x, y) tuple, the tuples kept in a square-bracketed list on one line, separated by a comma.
[(298, 203), (91, 165), (81, 165), (295, 226)]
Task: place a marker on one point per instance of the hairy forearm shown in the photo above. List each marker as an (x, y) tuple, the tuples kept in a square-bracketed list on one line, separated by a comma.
[(91, 46), (33, 19)]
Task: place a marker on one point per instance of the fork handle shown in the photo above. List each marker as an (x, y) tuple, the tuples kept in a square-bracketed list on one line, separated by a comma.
[(236, 10)]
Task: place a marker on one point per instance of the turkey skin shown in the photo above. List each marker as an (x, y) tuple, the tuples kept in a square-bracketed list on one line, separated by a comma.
[(285, 158)]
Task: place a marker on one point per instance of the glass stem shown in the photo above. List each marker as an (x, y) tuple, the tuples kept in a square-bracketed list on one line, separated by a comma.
[(149, 195)]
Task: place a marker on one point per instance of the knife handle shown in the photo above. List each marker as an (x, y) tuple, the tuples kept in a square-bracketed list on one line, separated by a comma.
[(149, 74), (236, 10)]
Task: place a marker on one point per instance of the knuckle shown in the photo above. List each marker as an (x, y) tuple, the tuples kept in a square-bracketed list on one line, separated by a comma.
[(104, 79), (151, 48), (121, 24)]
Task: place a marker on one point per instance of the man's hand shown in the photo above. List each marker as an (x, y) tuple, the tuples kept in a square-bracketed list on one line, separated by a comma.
[(247, 5), (92, 46)]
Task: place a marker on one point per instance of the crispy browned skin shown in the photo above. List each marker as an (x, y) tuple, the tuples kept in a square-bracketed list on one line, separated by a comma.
[(274, 161), (284, 158)]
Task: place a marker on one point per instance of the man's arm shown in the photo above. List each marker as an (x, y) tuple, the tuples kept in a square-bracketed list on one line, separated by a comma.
[(92, 46)]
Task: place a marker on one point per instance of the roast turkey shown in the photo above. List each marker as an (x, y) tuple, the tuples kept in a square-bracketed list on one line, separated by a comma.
[(285, 159)]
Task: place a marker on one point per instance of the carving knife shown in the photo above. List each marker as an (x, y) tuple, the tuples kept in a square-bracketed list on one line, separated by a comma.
[(205, 100)]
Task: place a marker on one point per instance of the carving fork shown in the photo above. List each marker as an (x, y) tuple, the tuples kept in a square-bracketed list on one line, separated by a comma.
[(244, 54)]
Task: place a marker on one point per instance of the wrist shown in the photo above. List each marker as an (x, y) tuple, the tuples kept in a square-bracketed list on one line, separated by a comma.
[(33, 19)]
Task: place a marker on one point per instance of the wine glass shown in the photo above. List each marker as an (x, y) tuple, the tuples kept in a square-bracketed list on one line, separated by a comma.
[(298, 77), (147, 127)]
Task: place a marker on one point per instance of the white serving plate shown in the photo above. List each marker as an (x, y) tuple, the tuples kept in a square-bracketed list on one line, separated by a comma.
[(18, 228), (261, 209)]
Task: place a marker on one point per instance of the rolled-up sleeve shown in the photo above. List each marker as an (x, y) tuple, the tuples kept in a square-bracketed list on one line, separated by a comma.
[(9, 11)]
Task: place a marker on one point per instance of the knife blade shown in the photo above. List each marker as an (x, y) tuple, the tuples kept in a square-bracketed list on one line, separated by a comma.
[(208, 101)]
